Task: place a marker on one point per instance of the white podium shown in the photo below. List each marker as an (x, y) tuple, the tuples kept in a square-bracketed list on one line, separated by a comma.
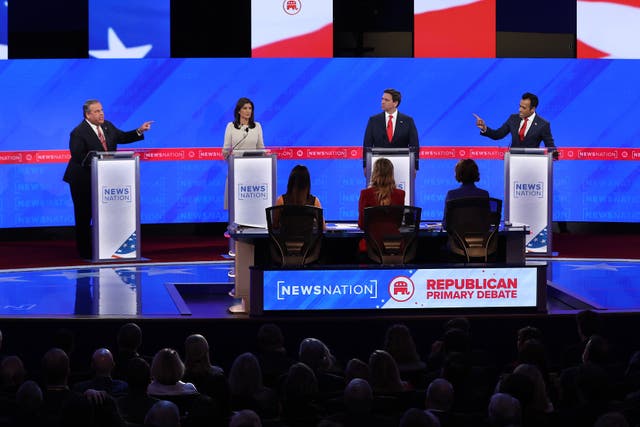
[(116, 205), (403, 160), (528, 180), (252, 189)]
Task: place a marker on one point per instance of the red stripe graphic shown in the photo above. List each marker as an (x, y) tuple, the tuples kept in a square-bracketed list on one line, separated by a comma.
[(322, 153), (317, 44)]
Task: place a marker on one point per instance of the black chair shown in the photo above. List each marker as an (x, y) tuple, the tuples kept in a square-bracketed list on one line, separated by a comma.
[(295, 233), (472, 227), (391, 233)]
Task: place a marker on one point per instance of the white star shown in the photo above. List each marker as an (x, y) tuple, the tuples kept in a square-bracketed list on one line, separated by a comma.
[(12, 279), (117, 49), (160, 271), (74, 274), (601, 266)]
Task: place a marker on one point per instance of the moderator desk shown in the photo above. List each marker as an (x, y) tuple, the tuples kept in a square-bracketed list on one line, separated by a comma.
[(340, 249)]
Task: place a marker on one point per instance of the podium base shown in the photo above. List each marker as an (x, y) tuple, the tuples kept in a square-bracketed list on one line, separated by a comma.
[(238, 308)]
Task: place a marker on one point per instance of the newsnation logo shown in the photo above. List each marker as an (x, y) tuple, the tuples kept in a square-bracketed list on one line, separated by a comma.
[(119, 193), (253, 191), (523, 190)]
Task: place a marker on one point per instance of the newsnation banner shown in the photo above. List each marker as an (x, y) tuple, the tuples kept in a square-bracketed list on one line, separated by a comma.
[(286, 290)]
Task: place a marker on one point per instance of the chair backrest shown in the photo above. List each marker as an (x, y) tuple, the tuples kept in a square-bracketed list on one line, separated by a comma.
[(472, 225), (295, 232), (391, 233)]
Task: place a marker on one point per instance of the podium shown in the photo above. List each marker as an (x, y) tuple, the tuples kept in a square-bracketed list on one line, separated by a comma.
[(252, 189), (528, 180), (115, 197), (403, 160)]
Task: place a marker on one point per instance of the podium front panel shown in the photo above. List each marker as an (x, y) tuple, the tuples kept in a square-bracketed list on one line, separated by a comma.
[(252, 189), (116, 215), (528, 186), (403, 165)]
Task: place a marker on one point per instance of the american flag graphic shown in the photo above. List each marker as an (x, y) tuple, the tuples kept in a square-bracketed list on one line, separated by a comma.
[(608, 29), (128, 248)]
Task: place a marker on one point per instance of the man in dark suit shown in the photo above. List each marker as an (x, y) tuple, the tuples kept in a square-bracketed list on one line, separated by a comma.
[(391, 128), (94, 133), (527, 128)]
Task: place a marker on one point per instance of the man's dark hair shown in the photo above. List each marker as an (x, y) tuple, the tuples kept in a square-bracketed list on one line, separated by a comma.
[(395, 95), (532, 98)]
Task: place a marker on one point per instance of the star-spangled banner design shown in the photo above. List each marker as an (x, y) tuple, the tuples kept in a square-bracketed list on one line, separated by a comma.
[(126, 29), (127, 248), (4, 23)]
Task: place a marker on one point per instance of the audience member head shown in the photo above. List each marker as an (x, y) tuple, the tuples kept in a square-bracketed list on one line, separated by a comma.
[(458, 323), (300, 383), (439, 395), (356, 368), (270, 338), (299, 185), (315, 354), (400, 344), (596, 351), (588, 323), (385, 375), (245, 418), (129, 337), (12, 373), (467, 171), (196, 354), (414, 417), (163, 414), (534, 352), (456, 368), (138, 374), (528, 333), (611, 419), (504, 410), (382, 180), (29, 397), (55, 367), (539, 402), (102, 362), (456, 340), (245, 376), (518, 385), (358, 397), (167, 367)]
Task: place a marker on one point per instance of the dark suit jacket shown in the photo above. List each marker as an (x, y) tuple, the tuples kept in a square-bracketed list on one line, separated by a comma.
[(465, 190), (539, 131), (83, 139), (405, 135)]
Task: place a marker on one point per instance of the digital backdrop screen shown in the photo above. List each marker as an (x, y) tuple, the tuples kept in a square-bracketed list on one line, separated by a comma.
[(314, 112)]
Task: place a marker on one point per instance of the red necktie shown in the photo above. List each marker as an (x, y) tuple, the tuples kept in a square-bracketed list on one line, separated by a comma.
[(523, 128), (390, 128), (102, 140)]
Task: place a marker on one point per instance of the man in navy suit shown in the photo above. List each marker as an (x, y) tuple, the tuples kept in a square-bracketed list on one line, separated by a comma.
[(94, 133), (391, 128), (527, 128)]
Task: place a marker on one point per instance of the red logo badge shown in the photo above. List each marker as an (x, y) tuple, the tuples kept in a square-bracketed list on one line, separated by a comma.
[(401, 289), (291, 7)]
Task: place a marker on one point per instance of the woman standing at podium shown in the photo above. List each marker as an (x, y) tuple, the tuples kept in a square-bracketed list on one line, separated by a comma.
[(243, 133)]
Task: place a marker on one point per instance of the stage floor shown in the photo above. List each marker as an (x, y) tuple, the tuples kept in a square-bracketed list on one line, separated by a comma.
[(201, 289)]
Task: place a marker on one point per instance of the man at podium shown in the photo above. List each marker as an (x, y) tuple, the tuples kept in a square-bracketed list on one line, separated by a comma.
[(94, 133), (527, 128), (391, 128)]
